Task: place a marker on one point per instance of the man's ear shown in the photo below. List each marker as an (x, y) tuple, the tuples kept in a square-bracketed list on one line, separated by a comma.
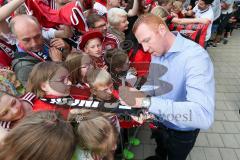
[(162, 29)]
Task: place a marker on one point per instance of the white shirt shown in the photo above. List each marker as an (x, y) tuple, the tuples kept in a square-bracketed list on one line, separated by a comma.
[(230, 8), (48, 33), (208, 14), (216, 7)]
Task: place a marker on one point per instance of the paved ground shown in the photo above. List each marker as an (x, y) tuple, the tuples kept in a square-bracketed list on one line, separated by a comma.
[(222, 140)]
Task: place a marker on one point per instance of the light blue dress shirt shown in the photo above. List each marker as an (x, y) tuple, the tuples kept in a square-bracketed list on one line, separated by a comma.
[(190, 103)]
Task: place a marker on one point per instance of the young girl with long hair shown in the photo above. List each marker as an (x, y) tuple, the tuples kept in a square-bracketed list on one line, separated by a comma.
[(96, 136), (49, 80)]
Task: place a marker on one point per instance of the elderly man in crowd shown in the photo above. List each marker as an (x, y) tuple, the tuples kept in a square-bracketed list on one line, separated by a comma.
[(31, 47)]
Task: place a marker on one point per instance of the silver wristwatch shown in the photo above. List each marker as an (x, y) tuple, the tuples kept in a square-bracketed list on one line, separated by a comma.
[(146, 102)]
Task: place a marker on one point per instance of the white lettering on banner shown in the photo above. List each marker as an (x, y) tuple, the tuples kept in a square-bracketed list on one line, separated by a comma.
[(82, 102), (53, 101), (59, 101), (88, 103), (65, 100), (7, 50), (95, 104), (76, 102)]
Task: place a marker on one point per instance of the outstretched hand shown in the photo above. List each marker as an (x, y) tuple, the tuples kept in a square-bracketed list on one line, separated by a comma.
[(131, 96)]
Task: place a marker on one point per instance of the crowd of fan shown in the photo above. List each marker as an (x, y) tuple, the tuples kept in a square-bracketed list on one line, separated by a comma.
[(87, 57)]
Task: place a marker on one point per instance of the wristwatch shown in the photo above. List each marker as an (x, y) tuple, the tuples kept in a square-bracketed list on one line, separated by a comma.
[(146, 102)]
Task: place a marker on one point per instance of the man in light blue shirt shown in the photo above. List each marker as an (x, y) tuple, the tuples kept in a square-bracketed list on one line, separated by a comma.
[(189, 106)]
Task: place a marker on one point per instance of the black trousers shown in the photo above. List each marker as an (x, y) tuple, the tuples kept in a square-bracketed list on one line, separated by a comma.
[(224, 18), (173, 144)]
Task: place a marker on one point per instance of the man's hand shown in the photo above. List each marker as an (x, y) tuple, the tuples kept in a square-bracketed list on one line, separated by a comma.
[(59, 43), (142, 117), (55, 54), (131, 97)]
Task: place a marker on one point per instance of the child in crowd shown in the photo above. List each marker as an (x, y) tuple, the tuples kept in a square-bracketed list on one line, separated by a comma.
[(177, 9), (166, 4), (91, 44), (96, 136), (78, 65), (119, 68), (101, 85), (14, 104), (49, 80), (12, 110), (40, 136)]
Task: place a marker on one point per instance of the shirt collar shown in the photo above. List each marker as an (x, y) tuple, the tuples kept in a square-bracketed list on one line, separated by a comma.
[(204, 10), (177, 45)]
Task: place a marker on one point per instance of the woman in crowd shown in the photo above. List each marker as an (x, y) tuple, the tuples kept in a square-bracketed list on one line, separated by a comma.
[(118, 23)]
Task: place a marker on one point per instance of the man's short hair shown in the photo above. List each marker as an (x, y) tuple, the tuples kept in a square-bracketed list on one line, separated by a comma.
[(13, 21), (208, 1), (92, 19), (148, 19)]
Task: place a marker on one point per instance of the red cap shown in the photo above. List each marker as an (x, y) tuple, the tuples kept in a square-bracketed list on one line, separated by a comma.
[(147, 2), (1, 2), (103, 2), (90, 35), (151, 2)]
